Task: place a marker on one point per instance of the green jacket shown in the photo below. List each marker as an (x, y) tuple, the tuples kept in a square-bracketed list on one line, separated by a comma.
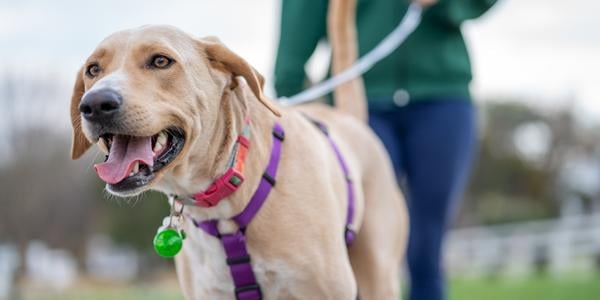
[(432, 62)]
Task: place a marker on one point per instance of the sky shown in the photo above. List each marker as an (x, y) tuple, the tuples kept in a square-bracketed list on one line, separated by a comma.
[(546, 52)]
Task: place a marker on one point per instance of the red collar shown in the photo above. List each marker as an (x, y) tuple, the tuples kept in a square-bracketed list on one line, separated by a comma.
[(230, 181)]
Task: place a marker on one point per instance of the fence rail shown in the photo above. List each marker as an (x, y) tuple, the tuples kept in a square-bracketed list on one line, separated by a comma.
[(558, 246)]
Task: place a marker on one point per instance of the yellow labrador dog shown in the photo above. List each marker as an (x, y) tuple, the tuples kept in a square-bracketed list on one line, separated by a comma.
[(167, 109)]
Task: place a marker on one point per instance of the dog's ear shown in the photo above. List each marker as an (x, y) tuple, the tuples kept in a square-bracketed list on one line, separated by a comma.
[(217, 52), (80, 142)]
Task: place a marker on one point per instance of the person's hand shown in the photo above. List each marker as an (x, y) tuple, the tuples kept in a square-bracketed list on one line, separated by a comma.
[(425, 3)]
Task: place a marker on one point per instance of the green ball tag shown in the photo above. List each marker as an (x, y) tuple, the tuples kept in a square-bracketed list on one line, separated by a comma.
[(168, 242)]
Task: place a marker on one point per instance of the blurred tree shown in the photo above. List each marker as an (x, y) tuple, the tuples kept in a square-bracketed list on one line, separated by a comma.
[(45, 196), (134, 221), (509, 186)]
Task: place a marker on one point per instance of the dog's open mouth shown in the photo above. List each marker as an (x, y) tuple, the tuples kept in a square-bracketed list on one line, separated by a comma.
[(134, 161)]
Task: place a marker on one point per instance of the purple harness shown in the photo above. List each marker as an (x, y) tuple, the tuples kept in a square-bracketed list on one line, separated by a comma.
[(234, 244)]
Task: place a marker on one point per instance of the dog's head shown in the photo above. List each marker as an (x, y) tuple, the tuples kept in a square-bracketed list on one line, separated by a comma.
[(147, 96)]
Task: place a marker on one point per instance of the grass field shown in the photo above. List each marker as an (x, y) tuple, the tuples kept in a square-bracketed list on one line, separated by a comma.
[(535, 288), (542, 288)]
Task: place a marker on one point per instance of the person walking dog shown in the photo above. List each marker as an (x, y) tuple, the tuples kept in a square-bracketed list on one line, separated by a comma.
[(419, 105)]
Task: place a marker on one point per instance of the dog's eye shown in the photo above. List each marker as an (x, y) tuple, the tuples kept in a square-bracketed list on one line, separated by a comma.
[(93, 70), (161, 62)]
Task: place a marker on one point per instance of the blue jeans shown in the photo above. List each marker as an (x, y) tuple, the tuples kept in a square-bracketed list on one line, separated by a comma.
[(431, 144)]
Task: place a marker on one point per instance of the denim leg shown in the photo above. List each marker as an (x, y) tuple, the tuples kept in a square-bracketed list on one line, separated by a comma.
[(383, 124), (438, 149)]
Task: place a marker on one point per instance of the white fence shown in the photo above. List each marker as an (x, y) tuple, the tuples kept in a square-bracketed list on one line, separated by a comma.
[(57, 268), (569, 244), (9, 259)]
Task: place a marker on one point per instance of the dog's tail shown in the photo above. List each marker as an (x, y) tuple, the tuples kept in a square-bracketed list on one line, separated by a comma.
[(341, 28)]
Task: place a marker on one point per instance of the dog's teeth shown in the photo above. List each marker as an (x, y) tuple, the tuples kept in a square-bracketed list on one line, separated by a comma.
[(162, 138), (161, 141), (157, 147), (102, 145), (136, 168)]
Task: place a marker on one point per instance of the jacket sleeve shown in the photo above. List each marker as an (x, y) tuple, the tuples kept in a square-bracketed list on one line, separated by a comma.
[(454, 12), (303, 24)]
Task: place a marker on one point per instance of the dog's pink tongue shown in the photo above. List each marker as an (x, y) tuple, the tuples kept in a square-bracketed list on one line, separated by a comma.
[(124, 152)]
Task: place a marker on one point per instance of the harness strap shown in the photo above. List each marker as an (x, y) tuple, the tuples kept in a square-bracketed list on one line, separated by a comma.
[(349, 233), (234, 244), (267, 181)]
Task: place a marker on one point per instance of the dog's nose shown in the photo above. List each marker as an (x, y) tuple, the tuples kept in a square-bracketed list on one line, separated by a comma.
[(100, 105)]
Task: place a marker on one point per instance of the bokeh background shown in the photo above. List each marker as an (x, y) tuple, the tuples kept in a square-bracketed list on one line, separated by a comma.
[(529, 227)]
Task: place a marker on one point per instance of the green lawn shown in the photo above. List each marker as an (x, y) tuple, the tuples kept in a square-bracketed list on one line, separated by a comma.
[(534, 288)]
